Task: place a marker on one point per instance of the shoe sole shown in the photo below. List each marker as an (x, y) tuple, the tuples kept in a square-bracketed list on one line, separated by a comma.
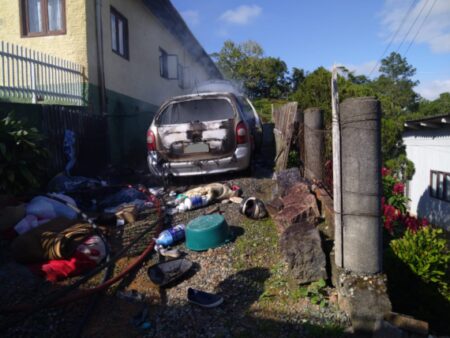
[(220, 301)]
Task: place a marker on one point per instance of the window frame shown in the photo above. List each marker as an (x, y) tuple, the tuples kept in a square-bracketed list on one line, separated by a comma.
[(164, 61), (440, 195), (126, 41), (24, 20)]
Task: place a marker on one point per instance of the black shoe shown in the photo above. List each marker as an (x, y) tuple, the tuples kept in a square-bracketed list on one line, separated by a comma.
[(203, 299)]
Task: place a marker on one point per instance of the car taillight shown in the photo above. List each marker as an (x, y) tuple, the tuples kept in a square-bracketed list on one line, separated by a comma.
[(151, 141), (241, 133)]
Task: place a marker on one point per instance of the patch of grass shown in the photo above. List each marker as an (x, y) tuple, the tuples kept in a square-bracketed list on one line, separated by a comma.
[(258, 247), (279, 308), (315, 292)]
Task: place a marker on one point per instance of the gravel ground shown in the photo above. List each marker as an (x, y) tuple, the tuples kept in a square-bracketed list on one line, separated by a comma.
[(260, 299)]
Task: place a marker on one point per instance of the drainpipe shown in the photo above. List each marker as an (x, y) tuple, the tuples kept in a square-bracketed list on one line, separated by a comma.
[(100, 58), (337, 172)]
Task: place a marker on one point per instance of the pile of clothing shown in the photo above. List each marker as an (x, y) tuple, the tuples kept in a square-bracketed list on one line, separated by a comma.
[(49, 238)]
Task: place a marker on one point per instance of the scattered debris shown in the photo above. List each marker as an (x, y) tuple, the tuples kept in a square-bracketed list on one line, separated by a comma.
[(254, 208), (171, 236), (131, 295), (203, 299), (165, 273), (140, 321), (173, 253)]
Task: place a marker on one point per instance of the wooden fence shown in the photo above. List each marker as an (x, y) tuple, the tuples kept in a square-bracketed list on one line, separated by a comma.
[(30, 76), (284, 118)]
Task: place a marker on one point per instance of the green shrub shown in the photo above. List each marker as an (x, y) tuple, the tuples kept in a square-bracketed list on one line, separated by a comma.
[(426, 254), (22, 158)]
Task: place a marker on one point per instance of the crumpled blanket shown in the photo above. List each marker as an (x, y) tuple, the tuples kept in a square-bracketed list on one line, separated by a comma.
[(56, 239), (213, 191)]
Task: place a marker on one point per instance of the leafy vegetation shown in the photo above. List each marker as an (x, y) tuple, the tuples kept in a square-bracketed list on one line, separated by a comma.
[(425, 252), (22, 158), (315, 292)]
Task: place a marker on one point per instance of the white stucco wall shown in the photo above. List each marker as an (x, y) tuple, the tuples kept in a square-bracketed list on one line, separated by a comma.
[(429, 150)]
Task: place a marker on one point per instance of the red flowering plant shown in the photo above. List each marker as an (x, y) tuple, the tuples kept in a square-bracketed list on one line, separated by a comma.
[(395, 216)]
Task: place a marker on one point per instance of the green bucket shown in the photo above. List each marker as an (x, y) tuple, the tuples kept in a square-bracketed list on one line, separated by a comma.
[(207, 232)]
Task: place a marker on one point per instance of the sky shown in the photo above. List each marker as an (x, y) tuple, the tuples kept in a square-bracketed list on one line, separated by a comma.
[(354, 33)]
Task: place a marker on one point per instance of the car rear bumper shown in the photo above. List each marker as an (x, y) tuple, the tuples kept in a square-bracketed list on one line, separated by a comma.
[(240, 160)]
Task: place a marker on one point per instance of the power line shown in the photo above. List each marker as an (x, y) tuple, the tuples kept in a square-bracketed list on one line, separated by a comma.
[(394, 36), (420, 27), (412, 25)]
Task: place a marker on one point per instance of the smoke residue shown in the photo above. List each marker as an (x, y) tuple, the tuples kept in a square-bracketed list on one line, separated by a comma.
[(218, 86)]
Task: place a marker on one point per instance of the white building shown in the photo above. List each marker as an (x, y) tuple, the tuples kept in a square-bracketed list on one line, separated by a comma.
[(427, 144)]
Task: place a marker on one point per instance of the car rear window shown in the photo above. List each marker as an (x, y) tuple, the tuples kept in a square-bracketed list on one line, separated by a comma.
[(197, 110)]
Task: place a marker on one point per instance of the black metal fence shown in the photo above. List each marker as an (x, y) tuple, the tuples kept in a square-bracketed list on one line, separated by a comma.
[(91, 133)]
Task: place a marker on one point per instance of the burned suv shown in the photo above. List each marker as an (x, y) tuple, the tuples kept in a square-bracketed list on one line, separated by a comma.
[(203, 133)]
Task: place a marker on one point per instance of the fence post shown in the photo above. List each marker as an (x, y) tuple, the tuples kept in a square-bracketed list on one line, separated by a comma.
[(361, 185), (314, 143), (33, 83)]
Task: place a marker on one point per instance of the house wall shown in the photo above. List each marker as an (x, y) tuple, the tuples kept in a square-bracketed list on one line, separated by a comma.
[(428, 150), (70, 46), (134, 87), (139, 77)]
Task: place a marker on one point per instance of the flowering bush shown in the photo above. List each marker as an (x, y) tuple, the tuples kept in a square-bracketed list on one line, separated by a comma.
[(395, 217)]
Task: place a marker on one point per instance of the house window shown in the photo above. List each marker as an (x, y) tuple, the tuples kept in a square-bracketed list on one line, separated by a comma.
[(119, 34), (168, 65), (43, 17), (440, 185)]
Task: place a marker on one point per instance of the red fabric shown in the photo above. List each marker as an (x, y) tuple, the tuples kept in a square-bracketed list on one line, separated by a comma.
[(55, 270)]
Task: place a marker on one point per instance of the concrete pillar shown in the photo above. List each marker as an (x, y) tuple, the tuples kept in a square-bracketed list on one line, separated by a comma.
[(314, 143), (361, 231)]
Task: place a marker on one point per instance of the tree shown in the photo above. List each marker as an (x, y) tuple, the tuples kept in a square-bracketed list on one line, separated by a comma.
[(394, 87), (229, 59), (262, 77), (297, 77), (437, 107), (396, 68)]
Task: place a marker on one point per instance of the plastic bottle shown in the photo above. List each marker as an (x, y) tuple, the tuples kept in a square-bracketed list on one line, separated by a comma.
[(195, 202), (172, 235)]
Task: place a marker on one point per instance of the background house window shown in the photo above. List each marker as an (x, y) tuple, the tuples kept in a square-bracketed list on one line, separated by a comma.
[(119, 33), (43, 17), (168, 65), (440, 185)]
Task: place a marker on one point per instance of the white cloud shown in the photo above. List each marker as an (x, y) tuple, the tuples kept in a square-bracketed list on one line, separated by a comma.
[(435, 32), (432, 89), (361, 69), (192, 17), (241, 15)]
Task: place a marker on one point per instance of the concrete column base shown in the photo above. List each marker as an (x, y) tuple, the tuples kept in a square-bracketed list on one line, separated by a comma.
[(364, 299)]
